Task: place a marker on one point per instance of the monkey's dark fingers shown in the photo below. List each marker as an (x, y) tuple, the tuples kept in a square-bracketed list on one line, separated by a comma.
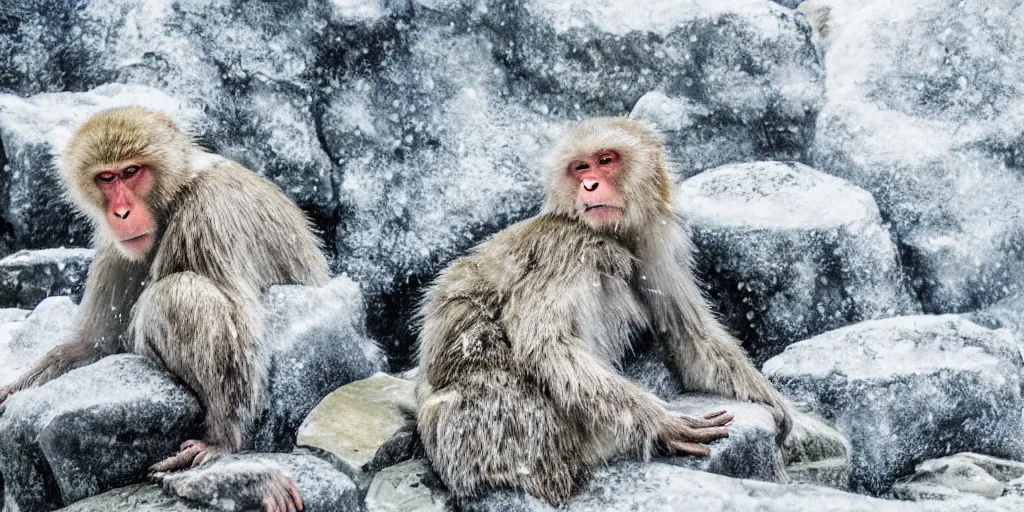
[(712, 415), (709, 421), (684, 448), (179, 461), (269, 505), (188, 443)]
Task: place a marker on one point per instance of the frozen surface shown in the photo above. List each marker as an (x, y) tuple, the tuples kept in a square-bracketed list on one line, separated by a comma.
[(908, 389), (923, 110), (788, 252), (27, 277)]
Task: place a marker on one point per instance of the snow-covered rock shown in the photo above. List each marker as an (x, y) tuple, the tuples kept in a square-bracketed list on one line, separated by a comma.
[(96, 428), (817, 453), (358, 422), (907, 389), (659, 487), (735, 81), (224, 485), (317, 342), (949, 477), (25, 336), (27, 277), (34, 130), (788, 252), (410, 485), (924, 111)]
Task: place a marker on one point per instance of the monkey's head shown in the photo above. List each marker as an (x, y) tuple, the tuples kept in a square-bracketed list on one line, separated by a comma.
[(121, 168), (611, 174)]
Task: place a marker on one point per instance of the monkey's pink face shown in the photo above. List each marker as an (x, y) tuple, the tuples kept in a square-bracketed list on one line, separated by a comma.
[(597, 196), (128, 216)]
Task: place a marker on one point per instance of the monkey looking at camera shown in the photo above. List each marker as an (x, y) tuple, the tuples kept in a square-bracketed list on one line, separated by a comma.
[(521, 338), (186, 243)]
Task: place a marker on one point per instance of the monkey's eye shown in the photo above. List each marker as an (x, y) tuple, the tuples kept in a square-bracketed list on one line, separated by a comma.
[(581, 166), (605, 160), (105, 177), (128, 172)]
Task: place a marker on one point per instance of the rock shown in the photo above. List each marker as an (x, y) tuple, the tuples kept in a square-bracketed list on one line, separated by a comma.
[(658, 487), (741, 79), (410, 485), (816, 453), (961, 473), (222, 485), (907, 389), (749, 451), (356, 422), (23, 341), (27, 277), (788, 252), (96, 428), (435, 157), (317, 342), (35, 129), (929, 121)]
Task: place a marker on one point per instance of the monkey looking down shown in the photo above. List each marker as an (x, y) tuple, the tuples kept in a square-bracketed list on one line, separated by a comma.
[(186, 244), (520, 340)]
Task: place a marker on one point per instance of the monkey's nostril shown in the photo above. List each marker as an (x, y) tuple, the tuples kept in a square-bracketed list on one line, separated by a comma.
[(590, 185), (122, 216)]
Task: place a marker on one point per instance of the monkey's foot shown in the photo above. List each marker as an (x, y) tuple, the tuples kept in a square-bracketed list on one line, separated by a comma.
[(280, 494), (192, 453)]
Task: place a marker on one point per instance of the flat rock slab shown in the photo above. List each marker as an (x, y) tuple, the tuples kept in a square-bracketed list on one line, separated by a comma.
[(221, 485), (409, 485), (907, 389), (27, 277), (951, 477), (357, 420), (96, 428), (816, 453), (788, 252)]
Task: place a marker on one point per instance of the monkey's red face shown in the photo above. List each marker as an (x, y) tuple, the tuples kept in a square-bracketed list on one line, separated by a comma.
[(128, 216), (597, 197)]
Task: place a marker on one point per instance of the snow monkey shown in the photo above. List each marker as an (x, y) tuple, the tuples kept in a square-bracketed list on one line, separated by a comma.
[(520, 339), (186, 243)]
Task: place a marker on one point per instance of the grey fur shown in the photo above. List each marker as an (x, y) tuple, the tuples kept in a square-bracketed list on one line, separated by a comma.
[(521, 339)]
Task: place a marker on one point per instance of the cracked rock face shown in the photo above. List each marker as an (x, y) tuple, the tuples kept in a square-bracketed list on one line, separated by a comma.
[(907, 389)]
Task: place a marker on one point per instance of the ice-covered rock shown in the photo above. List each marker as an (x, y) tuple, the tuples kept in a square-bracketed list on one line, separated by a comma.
[(25, 337), (317, 342), (788, 252), (907, 389), (434, 156), (659, 487), (410, 485), (96, 428), (33, 131), (924, 111), (224, 485), (949, 477), (735, 81), (27, 277), (357, 424)]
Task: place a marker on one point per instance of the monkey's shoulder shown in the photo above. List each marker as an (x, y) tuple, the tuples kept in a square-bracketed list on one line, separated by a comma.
[(551, 248)]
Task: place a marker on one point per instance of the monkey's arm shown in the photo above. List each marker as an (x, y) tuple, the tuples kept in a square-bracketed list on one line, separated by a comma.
[(110, 290)]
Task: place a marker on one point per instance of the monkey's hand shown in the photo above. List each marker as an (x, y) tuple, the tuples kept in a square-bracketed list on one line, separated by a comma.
[(192, 453), (680, 436)]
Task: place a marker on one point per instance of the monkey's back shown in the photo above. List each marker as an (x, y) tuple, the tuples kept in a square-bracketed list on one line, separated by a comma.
[(238, 229)]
